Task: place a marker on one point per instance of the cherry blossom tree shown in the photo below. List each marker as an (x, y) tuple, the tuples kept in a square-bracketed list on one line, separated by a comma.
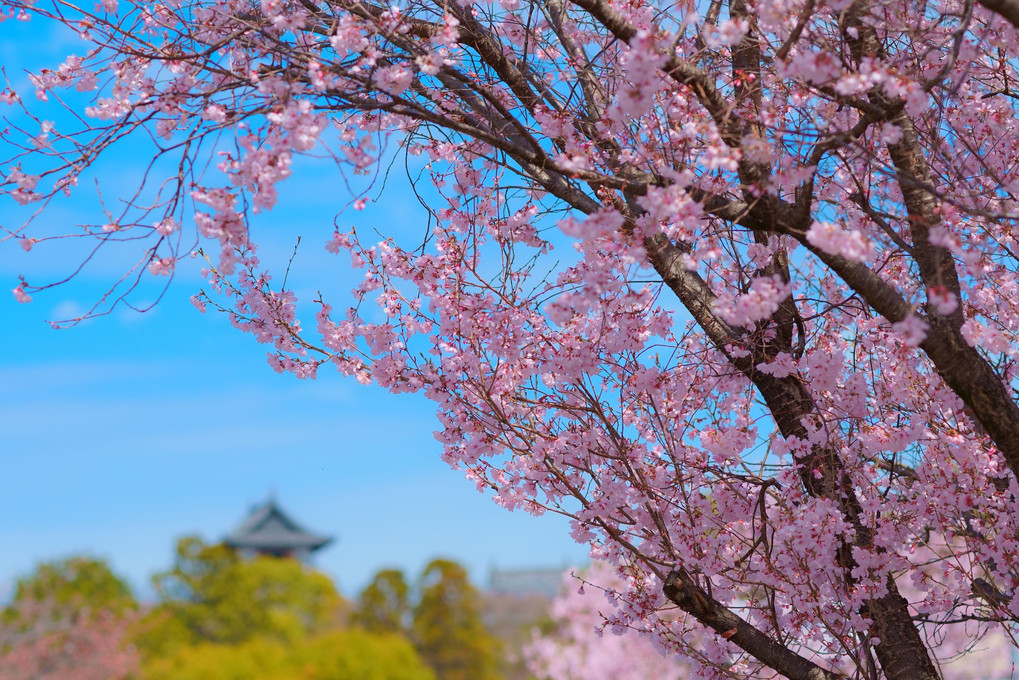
[(68, 620), (590, 640), (732, 284), (60, 645)]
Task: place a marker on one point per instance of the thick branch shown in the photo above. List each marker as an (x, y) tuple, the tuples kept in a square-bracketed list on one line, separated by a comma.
[(960, 366), (902, 652), (595, 99), (935, 262), (1008, 9), (714, 102), (681, 589)]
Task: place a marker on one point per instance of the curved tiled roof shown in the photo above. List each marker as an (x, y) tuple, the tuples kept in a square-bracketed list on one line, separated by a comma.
[(269, 528)]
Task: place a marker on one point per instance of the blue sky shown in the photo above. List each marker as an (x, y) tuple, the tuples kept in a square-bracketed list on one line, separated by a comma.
[(124, 432)]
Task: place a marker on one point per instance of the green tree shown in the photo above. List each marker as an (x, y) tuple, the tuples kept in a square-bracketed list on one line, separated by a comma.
[(447, 627), (68, 620), (71, 587), (338, 655), (384, 604), (211, 595)]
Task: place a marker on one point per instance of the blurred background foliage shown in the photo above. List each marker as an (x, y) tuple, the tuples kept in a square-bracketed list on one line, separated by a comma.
[(211, 595), (221, 616), (337, 654), (77, 586)]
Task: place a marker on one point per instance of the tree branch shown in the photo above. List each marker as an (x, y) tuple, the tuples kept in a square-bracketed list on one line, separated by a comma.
[(681, 589), (1007, 9)]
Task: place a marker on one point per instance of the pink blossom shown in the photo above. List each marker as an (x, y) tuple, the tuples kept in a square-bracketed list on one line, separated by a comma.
[(912, 330), (941, 236), (580, 645), (726, 33), (25, 183), (757, 150), (430, 64), (889, 133), (318, 77), (20, 295), (942, 300), (167, 226), (868, 77), (782, 365), (24, 197), (45, 644), (215, 113), (814, 67), (991, 339), (832, 239), (162, 266), (337, 242), (41, 140), (86, 82), (449, 34), (348, 36), (108, 109), (759, 302), (393, 79)]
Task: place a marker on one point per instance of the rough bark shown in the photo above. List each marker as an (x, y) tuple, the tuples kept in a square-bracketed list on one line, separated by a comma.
[(1008, 9), (684, 591)]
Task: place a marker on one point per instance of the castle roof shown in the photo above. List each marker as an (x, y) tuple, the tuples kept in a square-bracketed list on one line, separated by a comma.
[(269, 529)]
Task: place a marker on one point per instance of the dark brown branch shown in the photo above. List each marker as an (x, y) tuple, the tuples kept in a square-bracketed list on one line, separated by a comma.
[(902, 653), (1007, 9), (960, 366), (681, 71), (681, 589)]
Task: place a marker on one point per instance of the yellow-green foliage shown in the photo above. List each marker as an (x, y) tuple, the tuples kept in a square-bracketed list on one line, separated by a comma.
[(339, 655), (447, 628), (212, 596), (384, 604), (441, 616), (71, 587)]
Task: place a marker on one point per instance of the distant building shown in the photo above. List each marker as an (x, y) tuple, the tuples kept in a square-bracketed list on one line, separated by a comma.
[(515, 603), (267, 530), (545, 582)]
